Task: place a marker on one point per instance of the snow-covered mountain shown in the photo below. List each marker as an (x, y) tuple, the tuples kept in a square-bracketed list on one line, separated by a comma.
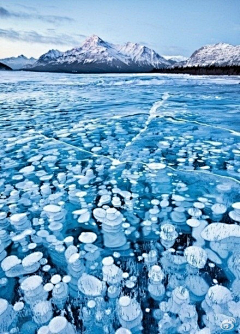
[(220, 54), (98, 56), (16, 63), (142, 55), (175, 59), (51, 55)]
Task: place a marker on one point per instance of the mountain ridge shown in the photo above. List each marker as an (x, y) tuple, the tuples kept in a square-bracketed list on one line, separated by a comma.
[(220, 54), (98, 56), (17, 63)]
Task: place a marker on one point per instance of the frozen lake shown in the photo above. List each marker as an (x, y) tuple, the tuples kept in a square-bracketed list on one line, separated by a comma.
[(119, 203)]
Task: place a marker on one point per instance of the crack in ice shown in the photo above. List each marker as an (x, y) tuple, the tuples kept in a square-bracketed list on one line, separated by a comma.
[(152, 114), (118, 162), (236, 133)]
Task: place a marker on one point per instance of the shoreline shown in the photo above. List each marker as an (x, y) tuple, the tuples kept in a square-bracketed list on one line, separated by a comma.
[(201, 71), (206, 70)]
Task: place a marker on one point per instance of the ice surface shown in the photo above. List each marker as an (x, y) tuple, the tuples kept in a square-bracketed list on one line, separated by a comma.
[(119, 203)]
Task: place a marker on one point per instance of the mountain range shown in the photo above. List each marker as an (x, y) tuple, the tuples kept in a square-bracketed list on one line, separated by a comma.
[(175, 59), (97, 56), (17, 63)]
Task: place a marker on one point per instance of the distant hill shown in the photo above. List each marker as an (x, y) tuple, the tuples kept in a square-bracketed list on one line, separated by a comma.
[(17, 63), (4, 67), (175, 59)]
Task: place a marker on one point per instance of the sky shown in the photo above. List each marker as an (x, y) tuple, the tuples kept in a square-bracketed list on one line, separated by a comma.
[(170, 27)]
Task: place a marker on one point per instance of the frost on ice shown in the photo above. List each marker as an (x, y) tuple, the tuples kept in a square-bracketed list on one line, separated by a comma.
[(123, 222)]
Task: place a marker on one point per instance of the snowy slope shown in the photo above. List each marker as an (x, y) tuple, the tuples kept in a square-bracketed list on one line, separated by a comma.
[(19, 62), (96, 55), (220, 54), (47, 58), (142, 55), (51, 55), (175, 59), (94, 49)]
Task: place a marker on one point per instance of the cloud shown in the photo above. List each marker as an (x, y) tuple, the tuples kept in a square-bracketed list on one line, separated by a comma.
[(35, 37), (29, 8), (5, 14)]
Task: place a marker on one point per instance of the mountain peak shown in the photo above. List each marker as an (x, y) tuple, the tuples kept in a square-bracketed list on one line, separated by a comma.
[(220, 54), (50, 56), (142, 54), (93, 40), (221, 44), (53, 51)]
